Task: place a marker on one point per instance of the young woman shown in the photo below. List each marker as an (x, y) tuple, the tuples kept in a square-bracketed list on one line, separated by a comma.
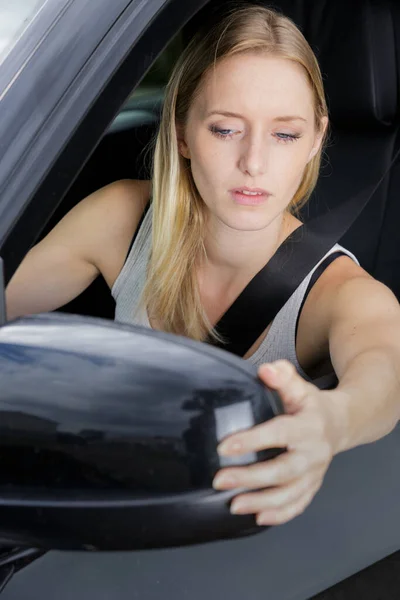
[(238, 151)]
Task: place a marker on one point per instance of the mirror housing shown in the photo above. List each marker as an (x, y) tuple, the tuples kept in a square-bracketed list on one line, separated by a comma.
[(108, 435)]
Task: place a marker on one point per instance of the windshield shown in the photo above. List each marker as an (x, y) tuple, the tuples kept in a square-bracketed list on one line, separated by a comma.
[(15, 17)]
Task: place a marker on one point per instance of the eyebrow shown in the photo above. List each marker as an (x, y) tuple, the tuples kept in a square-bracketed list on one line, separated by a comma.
[(285, 118), (290, 118)]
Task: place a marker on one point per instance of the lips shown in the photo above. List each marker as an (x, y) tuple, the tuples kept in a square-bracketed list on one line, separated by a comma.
[(249, 196), (251, 191)]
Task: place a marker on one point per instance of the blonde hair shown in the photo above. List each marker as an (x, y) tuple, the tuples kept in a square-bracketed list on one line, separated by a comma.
[(171, 292)]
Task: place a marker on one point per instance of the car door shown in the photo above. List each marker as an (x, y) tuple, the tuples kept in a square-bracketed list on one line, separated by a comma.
[(61, 88)]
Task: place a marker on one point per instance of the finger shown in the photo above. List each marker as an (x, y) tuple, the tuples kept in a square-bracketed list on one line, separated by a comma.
[(287, 512), (273, 434), (280, 432), (279, 471), (275, 498)]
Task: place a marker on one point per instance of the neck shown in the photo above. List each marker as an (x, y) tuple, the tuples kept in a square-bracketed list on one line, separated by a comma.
[(233, 255)]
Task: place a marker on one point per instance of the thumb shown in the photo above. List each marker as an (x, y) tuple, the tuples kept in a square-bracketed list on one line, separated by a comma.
[(282, 376)]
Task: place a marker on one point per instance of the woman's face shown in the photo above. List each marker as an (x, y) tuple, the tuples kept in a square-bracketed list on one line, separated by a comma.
[(249, 135)]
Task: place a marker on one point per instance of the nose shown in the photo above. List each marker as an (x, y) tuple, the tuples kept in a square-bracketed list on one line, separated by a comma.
[(253, 158)]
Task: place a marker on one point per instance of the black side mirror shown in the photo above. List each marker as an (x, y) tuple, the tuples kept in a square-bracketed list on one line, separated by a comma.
[(108, 435)]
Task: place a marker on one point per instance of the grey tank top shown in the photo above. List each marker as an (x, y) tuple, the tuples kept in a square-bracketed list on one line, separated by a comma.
[(280, 341)]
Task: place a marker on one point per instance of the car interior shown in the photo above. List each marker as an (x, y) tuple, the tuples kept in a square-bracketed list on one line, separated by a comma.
[(358, 49)]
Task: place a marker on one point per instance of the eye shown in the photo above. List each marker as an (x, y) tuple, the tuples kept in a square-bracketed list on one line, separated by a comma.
[(223, 134), (287, 137)]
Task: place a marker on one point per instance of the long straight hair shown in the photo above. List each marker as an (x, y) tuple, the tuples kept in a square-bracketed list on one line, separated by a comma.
[(171, 292)]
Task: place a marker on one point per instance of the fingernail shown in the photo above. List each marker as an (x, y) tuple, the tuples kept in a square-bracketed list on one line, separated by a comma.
[(272, 369), (222, 481), (261, 520), (238, 507), (229, 448)]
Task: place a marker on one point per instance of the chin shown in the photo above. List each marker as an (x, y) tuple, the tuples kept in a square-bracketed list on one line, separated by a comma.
[(246, 222)]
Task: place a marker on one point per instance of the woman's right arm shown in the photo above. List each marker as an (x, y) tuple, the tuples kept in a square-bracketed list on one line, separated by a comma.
[(92, 238)]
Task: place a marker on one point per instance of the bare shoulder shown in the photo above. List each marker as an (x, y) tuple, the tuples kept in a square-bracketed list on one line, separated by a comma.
[(90, 239), (346, 309), (356, 314), (114, 208), (118, 205), (312, 342), (112, 215), (345, 288), (350, 297)]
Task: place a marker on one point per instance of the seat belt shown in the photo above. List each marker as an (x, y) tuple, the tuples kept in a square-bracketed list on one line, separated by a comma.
[(268, 291)]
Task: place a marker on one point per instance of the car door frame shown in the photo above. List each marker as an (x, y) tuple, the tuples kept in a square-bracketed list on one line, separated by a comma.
[(102, 52)]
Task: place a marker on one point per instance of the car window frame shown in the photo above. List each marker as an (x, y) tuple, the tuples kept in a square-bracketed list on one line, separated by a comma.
[(70, 133), (30, 38)]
